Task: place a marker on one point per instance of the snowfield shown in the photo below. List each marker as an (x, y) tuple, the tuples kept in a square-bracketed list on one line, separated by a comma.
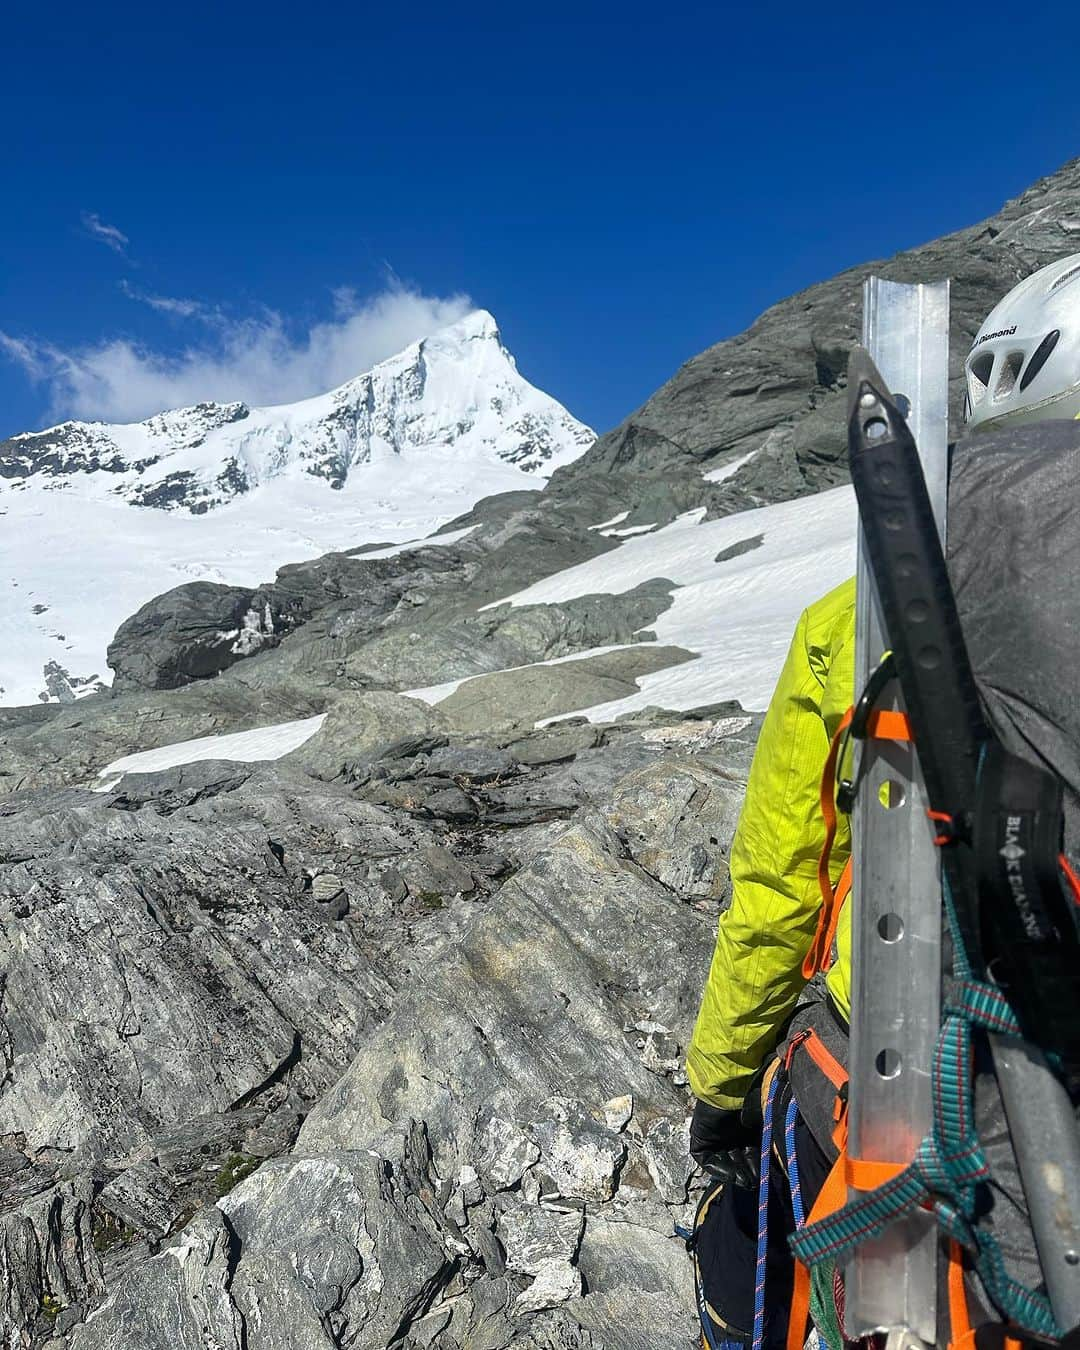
[(388, 457), (72, 570)]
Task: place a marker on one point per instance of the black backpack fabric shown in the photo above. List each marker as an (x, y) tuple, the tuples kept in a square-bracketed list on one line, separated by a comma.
[(1014, 559)]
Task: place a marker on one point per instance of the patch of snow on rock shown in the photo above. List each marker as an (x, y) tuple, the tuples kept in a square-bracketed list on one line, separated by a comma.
[(738, 614), (245, 747)]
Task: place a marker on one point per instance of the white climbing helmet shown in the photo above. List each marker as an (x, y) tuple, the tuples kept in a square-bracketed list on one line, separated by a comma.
[(1025, 361)]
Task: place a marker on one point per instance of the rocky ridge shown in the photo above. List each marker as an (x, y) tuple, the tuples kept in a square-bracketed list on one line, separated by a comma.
[(230, 936), (776, 391)]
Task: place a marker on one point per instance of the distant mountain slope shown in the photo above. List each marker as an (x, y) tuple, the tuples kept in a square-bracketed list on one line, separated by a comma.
[(98, 519), (776, 390)]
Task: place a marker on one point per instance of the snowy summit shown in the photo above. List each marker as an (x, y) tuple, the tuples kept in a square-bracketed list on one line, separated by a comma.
[(459, 389), (98, 518)]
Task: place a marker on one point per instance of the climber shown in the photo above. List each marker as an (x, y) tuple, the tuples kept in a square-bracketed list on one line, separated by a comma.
[(1023, 368)]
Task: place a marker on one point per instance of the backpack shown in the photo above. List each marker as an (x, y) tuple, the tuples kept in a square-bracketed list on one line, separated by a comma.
[(1015, 570)]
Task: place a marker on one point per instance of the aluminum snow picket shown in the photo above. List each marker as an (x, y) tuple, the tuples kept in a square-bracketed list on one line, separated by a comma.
[(891, 1282)]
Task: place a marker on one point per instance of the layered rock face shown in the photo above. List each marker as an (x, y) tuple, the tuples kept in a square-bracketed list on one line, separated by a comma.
[(380, 1045)]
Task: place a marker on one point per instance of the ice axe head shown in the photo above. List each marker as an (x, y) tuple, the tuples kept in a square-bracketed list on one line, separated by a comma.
[(875, 416)]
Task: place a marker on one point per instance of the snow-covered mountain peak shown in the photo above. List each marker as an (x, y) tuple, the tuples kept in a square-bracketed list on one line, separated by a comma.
[(457, 391)]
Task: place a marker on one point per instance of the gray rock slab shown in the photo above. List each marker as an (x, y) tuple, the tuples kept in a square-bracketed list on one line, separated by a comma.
[(519, 698), (356, 725), (532, 1237), (435, 647), (179, 1300), (161, 968), (627, 1319), (502, 1152), (678, 818), (476, 763), (577, 1149), (450, 803), (617, 1255), (144, 1197), (434, 871), (560, 741), (532, 1002), (666, 1147)]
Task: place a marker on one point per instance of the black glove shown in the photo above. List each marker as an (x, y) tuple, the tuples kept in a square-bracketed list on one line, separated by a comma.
[(725, 1147)]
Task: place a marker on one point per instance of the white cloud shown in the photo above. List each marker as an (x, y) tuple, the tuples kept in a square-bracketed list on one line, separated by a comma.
[(109, 235), (346, 300), (260, 360)]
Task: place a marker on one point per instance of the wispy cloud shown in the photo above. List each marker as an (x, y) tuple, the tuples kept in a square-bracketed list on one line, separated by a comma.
[(24, 354), (109, 235), (169, 304), (262, 360)]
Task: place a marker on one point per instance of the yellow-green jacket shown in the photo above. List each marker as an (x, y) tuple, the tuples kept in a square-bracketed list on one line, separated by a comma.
[(756, 972)]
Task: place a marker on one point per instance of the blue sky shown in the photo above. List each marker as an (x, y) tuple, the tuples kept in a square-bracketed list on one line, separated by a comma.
[(235, 198)]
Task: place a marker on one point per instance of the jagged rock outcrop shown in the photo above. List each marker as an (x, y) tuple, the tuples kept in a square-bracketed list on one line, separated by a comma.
[(199, 630), (187, 634)]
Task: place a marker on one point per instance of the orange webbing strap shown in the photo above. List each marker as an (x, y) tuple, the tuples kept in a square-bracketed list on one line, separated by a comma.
[(961, 1332), (858, 1173), (886, 725), (831, 1197), (820, 954), (867, 1174), (817, 958), (829, 1065)]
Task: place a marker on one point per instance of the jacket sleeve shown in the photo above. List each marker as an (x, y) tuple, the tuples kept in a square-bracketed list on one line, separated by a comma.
[(756, 974)]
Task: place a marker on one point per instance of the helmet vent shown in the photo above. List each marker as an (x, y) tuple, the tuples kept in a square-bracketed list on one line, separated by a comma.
[(981, 369), (1065, 277), (1010, 373), (1040, 357)]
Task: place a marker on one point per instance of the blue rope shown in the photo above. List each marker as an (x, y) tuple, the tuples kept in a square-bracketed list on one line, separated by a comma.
[(763, 1214), (793, 1163)]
